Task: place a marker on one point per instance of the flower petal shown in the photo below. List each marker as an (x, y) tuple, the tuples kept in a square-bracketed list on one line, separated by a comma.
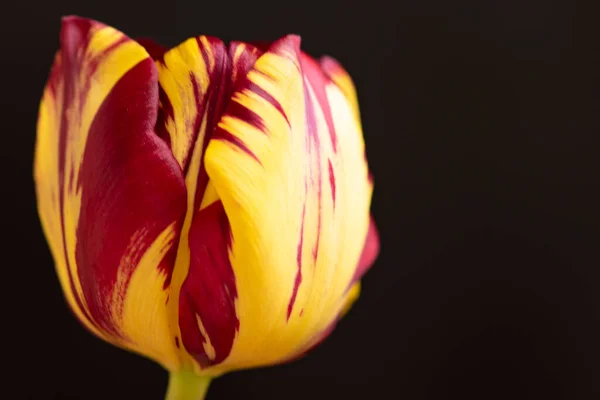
[(207, 314), (287, 162), (190, 76), (342, 79), (194, 83), (369, 253), (111, 197)]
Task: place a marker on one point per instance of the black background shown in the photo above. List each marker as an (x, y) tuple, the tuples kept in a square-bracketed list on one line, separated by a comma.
[(480, 120)]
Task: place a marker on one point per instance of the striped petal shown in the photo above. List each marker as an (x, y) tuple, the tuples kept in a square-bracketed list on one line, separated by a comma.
[(195, 81), (287, 163), (190, 76), (207, 315), (110, 194)]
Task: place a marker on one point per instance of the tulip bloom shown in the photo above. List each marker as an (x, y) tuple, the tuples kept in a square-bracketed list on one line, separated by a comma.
[(206, 206)]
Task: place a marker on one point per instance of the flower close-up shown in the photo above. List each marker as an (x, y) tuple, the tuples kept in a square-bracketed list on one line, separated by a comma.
[(206, 206)]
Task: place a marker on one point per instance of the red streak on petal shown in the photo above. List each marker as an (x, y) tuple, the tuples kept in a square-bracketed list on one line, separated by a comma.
[(300, 242), (311, 143), (312, 71), (100, 56), (71, 43), (247, 115), (268, 97), (314, 144), (209, 290), (318, 240), (332, 181), (243, 62), (214, 105), (226, 136), (165, 112), (203, 50), (298, 278)]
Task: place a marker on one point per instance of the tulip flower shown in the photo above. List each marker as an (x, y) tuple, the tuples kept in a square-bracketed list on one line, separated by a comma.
[(206, 206)]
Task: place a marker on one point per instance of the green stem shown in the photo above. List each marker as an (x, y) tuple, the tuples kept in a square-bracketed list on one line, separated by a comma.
[(185, 385)]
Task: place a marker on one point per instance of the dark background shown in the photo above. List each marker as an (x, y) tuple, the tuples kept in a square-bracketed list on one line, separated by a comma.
[(481, 125)]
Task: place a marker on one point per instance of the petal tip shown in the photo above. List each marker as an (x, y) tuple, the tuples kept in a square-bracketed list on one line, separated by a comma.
[(72, 23), (294, 38), (73, 30), (71, 18), (329, 62), (331, 66)]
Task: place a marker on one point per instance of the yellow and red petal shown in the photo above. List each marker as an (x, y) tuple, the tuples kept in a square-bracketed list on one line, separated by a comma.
[(287, 162), (333, 69), (207, 314), (111, 196), (191, 76), (195, 81)]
